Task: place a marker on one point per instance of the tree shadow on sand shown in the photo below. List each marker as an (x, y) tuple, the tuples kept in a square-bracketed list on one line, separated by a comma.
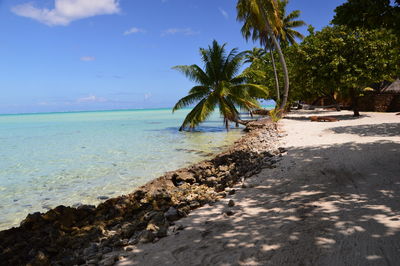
[(340, 211), (338, 117), (384, 129)]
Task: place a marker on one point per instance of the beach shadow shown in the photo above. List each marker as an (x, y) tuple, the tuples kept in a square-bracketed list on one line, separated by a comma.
[(338, 117), (322, 212), (384, 129)]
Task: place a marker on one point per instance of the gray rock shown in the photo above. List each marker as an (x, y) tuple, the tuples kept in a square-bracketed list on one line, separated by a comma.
[(146, 237), (222, 194), (86, 207), (107, 250), (103, 197), (109, 261), (172, 214), (127, 230), (133, 240), (40, 259), (129, 248), (229, 213), (195, 204), (282, 149), (93, 261), (91, 250)]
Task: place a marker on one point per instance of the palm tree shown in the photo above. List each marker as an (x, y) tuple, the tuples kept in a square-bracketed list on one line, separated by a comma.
[(254, 55), (218, 85), (287, 35), (261, 18)]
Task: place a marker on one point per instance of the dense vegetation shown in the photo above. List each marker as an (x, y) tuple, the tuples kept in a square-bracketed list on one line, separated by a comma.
[(340, 61), (361, 48)]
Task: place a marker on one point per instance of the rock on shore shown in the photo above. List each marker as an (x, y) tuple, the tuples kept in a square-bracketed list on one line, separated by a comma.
[(89, 234)]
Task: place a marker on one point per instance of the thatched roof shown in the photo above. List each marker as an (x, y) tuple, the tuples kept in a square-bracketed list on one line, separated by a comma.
[(394, 87)]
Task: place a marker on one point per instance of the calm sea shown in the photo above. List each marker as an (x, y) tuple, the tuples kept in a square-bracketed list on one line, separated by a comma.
[(83, 158)]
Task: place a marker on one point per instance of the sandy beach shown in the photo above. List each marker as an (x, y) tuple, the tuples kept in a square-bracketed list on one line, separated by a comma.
[(333, 199)]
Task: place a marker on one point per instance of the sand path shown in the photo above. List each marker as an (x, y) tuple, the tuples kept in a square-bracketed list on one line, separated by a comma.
[(334, 199)]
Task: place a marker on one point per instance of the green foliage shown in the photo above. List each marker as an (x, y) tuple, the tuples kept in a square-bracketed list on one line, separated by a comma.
[(334, 62), (340, 58), (259, 17), (218, 84), (368, 14), (262, 21), (252, 56), (339, 62), (276, 114), (286, 34)]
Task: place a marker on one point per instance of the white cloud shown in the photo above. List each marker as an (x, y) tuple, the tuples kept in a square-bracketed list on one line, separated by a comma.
[(147, 96), (91, 99), (134, 30), (184, 31), (66, 11), (224, 13), (88, 58)]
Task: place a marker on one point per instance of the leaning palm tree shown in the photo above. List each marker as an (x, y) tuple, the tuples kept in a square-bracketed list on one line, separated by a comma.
[(218, 85), (287, 35), (261, 18)]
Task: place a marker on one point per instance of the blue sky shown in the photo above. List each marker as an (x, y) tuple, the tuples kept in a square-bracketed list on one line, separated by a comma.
[(71, 55)]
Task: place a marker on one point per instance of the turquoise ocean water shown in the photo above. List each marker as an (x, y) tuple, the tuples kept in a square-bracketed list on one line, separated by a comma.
[(84, 157)]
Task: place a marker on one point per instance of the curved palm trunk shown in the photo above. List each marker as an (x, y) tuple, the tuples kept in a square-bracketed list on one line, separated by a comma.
[(283, 63), (278, 94)]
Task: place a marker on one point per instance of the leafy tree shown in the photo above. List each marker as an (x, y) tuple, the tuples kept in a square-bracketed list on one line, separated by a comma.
[(260, 18), (339, 60), (369, 14), (218, 85)]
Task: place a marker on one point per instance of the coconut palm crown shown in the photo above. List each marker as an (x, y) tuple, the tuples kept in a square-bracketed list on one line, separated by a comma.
[(286, 33), (261, 19), (218, 85), (254, 55)]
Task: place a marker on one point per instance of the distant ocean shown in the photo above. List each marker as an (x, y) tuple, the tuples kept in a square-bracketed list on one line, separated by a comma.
[(85, 157)]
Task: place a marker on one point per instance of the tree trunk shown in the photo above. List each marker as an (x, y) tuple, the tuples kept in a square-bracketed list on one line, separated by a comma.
[(354, 102), (337, 105), (278, 94), (242, 122), (283, 63)]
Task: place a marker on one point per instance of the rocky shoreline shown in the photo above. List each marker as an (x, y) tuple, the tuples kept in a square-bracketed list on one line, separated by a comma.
[(90, 235)]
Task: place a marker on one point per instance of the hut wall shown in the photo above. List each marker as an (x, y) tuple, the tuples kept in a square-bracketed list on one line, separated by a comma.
[(384, 102)]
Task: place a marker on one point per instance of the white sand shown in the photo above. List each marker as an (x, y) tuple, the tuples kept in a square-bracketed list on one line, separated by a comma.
[(334, 199)]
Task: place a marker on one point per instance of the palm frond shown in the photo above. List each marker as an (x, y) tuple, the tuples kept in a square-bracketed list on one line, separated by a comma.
[(194, 73), (188, 100)]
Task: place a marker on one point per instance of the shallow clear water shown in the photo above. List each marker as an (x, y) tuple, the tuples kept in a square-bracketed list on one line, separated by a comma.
[(73, 158)]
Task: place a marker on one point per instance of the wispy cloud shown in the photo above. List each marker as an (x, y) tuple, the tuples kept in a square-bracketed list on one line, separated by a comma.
[(91, 99), (66, 11), (184, 31), (147, 96), (88, 58), (224, 13), (134, 30)]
